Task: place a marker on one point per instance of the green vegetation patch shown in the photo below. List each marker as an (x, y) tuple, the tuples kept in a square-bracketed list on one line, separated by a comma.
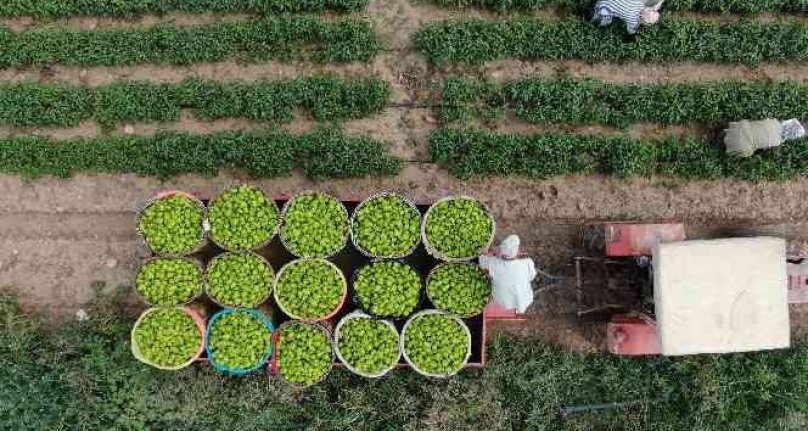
[(238, 340), (436, 344), (66, 8), (325, 153), (458, 227), (583, 101), (672, 40), (309, 288), (172, 225), (388, 289), (167, 337), (304, 353), (284, 38), (735, 6), (314, 225), (239, 279), (242, 218), (368, 345), (483, 153), (386, 226), (169, 281), (459, 288)]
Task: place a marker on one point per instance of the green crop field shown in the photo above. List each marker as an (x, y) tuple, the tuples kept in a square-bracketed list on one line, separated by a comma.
[(55, 377), (737, 6)]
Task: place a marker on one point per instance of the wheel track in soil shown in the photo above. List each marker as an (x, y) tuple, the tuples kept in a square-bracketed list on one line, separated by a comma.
[(58, 236)]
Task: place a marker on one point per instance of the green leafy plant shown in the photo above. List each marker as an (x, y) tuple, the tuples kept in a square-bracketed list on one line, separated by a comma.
[(309, 288), (66, 8), (238, 340), (172, 224), (314, 225), (239, 279), (284, 38), (324, 153), (167, 337), (484, 153), (673, 39), (735, 6), (368, 345), (386, 226), (436, 343), (242, 218), (458, 227), (459, 288), (169, 281), (304, 353), (388, 289)]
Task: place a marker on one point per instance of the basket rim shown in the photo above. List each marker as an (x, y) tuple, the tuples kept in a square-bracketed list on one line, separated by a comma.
[(164, 195), (240, 253), (361, 315), (441, 256), (263, 243), (329, 342), (200, 325), (362, 305), (439, 312), (282, 224), (332, 313), (267, 323), (378, 195), (441, 265), (197, 295)]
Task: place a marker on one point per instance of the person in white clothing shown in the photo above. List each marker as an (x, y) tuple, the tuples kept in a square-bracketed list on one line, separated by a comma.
[(511, 275)]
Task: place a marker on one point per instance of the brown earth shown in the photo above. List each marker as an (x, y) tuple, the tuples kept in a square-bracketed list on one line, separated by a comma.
[(58, 237)]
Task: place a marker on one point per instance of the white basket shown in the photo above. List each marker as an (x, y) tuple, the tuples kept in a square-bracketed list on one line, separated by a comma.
[(278, 352), (337, 333), (362, 204), (202, 285), (263, 243), (164, 195), (403, 348), (444, 264), (282, 223), (440, 256), (231, 253)]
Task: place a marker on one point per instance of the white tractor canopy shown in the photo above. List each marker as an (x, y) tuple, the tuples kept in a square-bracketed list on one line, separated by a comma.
[(721, 295)]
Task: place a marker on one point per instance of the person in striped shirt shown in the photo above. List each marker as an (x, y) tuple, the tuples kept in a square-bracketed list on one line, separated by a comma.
[(632, 12)]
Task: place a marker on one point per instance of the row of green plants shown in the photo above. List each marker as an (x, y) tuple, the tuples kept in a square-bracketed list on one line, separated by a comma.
[(324, 153), (65, 8), (475, 152), (326, 98), (283, 38), (581, 101), (672, 40), (737, 6)]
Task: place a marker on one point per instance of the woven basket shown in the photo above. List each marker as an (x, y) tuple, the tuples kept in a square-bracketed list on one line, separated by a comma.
[(415, 367), (279, 352), (315, 319), (259, 363), (263, 299), (263, 243), (285, 209), (444, 264), (193, 298), (353, 222), (440, 256), (358, 301), (200, 324), (166, 194), (338, 332)]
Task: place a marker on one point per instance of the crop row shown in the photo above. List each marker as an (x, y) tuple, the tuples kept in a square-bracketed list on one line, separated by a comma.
[(483, 153), (581, 101), (737, 6), (475, 40), (286, 38), (325, 153), (65, 8), (325, 97)]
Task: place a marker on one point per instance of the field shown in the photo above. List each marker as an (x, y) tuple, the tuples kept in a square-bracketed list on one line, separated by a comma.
[(553, 124)]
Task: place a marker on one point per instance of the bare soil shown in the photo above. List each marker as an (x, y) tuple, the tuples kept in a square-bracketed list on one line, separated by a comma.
[(59, 237)]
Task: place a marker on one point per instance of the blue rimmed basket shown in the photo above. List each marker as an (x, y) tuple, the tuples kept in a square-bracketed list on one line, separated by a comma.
[(258, 364)]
